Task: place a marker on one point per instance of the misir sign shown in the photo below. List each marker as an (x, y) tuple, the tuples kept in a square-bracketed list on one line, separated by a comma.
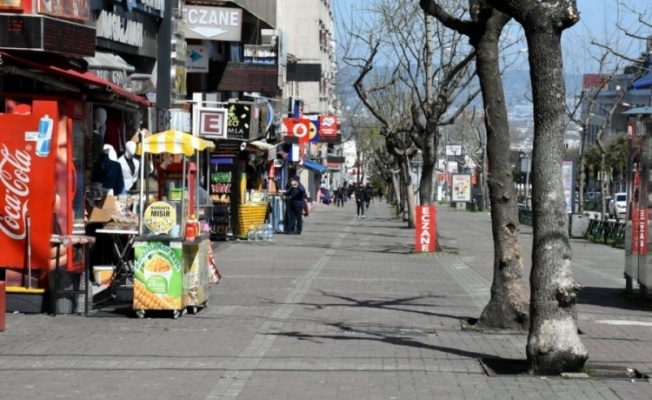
[(426, 232)]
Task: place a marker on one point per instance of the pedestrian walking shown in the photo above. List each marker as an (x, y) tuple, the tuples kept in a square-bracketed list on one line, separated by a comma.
[(296, 196), (339, 196), (368, 195), (360, 201)]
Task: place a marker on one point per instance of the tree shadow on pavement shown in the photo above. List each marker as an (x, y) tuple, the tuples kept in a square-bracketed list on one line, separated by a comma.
[(613, 298), (389, 304), (383, 338)]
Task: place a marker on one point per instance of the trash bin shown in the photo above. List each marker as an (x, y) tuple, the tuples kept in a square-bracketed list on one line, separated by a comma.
[(479, 202), (65, 303)]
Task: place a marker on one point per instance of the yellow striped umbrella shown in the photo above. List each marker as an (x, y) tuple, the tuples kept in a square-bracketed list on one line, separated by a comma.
[(175, 142)]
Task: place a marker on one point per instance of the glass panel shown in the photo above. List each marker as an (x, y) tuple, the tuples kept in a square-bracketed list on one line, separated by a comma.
[(78, 152)]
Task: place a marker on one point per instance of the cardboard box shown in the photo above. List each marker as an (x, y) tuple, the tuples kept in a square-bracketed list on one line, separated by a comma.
[(104, 212)]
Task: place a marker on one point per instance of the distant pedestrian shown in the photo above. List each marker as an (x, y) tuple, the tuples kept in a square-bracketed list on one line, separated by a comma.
[(360, 201), (368, 195), (296, 197), (339, 196)]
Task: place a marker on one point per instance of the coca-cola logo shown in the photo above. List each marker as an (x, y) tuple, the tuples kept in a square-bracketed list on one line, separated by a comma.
[(14, 176)]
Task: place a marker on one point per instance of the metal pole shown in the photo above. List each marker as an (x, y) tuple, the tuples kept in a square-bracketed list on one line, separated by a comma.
[(527, 180)]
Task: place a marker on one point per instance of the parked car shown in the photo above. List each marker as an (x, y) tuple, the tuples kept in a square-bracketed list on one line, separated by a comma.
[(618, 205)]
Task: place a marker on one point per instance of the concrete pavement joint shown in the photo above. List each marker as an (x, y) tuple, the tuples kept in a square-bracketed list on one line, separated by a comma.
[(252, 355), (474, 284)]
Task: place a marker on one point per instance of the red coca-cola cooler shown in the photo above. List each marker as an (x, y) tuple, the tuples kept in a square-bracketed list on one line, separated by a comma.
[(41, 146), (27, 172)]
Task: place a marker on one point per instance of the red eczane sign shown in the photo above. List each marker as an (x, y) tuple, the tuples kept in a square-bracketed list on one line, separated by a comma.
[(426, 232)]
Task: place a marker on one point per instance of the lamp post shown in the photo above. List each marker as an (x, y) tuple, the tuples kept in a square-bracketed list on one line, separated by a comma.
[(525, 165)]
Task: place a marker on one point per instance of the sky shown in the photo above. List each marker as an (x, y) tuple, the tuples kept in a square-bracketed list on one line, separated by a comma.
[(598, 22)]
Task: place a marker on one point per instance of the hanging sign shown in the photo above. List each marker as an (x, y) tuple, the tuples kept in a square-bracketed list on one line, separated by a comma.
[(196, 58), (298, 128), (213, 23), (210, 122)]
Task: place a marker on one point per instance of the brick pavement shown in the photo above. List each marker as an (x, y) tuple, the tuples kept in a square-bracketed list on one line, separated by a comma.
[(344, 311)]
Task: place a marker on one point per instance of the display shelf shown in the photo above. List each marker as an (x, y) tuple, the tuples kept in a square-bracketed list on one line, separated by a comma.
[(220, 194)]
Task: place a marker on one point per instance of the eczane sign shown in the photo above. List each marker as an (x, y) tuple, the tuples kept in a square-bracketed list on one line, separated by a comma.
[(426, 232), (213, 23)]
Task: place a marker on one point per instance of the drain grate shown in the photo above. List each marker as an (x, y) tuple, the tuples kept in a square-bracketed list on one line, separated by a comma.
[(615, 372), (503, 366), (494, 366)]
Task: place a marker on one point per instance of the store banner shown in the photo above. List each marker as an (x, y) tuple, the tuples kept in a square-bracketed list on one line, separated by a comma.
[(298, 128), (314, 128), (240, 122), (328, 126), (16, 5), (28, 150)]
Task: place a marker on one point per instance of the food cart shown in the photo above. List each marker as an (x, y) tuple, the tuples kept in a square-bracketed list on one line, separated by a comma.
[(172, 270)]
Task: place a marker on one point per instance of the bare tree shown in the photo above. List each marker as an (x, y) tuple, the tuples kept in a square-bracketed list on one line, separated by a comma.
[(508, 306), (438, 84), (553, 342)]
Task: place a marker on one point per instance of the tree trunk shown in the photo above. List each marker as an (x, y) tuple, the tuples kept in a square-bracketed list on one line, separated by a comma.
[(508, 306), (603, 186), (553, 343), (426, 188), (429, 157), (397, 196), (404, 165)]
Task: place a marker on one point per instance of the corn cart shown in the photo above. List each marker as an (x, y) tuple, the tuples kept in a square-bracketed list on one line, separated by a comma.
[(172, 267)]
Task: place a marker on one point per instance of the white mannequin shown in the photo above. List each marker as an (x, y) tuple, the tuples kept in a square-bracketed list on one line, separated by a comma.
[(99, 122), (130, 177)]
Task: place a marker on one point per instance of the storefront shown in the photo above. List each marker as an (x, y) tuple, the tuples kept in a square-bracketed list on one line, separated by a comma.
[(83, 69), (46, 134), (241, 173)]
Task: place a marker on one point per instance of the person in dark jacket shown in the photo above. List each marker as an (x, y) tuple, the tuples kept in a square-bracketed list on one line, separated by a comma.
[(368, 195), (108, 172), (360, 200), (296, 195)]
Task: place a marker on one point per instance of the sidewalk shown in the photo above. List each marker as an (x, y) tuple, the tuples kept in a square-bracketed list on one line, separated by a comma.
[(343, 311)]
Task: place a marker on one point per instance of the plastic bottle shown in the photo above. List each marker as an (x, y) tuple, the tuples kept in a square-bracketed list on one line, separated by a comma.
[(259, 232), (251, 233), (269, 231)]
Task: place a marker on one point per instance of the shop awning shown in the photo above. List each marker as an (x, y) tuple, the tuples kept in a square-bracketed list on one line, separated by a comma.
[(638, 111), (643, 82), (315, 166), (175, 142), (102, 60), (84, 77), (261, 145)]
